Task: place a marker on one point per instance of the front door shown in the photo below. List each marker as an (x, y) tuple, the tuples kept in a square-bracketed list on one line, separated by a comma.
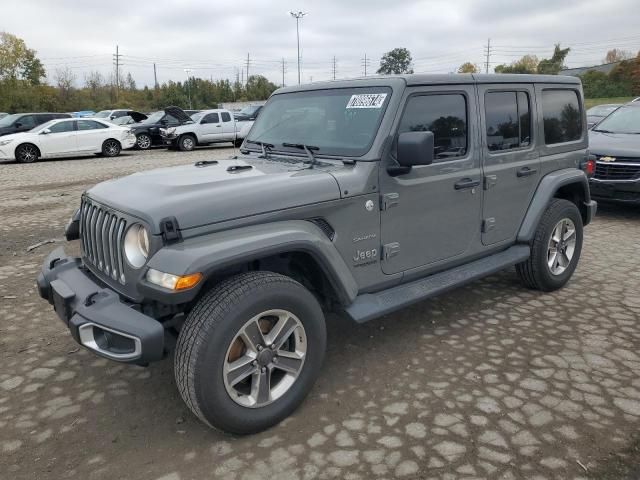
[(210, 128), (510, 159), (61, 139), (432, 214)]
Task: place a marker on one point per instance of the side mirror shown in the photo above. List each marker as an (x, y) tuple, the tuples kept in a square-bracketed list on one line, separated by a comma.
[(415, 148), (46, 131), (17, 125)]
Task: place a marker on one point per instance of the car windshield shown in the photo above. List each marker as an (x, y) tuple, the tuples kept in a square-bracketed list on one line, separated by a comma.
[(248, 111), (602, 110), (154, 117), (38, 128), (123, 120), (340, 122), (197, 116), (9, 119), (103, 114), (623, 120)]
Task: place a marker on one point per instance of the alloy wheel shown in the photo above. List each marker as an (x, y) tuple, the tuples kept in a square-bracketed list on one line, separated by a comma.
[(28, 154), (562, 246), (265, 358), (144, 142)]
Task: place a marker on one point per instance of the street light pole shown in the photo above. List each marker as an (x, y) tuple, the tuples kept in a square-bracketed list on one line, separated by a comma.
[(188, 72), (298, 15)]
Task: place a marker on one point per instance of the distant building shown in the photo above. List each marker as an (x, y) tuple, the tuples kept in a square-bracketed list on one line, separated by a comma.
[(604, 68)]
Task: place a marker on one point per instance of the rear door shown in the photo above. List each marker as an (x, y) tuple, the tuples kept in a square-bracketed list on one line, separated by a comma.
[(210, 128), (511, 163), (61, 139), (90, 135), (228, 126)]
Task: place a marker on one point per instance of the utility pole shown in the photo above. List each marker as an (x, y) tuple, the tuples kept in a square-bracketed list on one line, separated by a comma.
[(365, 63), (488, 54), (155, 76), (248, 61), (298, 15), (283, 69), (241, 76), (116, 60), (334, 67), (188, 72)]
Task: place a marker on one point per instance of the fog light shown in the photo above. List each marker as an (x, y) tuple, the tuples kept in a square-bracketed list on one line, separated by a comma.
[(173, 282)]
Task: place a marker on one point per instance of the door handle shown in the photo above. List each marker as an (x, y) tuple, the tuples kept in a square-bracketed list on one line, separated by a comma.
[(526, 171), (218, 126), (466, 183)]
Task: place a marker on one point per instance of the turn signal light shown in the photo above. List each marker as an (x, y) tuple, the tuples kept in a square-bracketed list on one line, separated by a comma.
[(188, 281), (173, 282)]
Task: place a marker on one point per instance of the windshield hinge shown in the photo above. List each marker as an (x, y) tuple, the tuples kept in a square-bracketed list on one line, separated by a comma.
[(389, 200), (170, 230)]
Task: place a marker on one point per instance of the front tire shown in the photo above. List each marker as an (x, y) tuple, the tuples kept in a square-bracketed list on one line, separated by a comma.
[(187, 143), (250, 351), (555, 249), (27, 153), (111, 148), (143, 141), (238, 142)]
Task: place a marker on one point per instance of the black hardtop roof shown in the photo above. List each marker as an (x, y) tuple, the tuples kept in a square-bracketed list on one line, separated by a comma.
[(433, 79)]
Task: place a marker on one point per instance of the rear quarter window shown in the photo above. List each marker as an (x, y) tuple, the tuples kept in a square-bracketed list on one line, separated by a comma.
[(561, 116)]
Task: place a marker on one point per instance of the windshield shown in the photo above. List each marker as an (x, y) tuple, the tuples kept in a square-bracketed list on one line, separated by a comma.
[(197, 116), (103, 114), (123, 120), (38, 128), (154, 117), (623, 120), (339, 121), (9, 119), (248, 111), (602, 110)]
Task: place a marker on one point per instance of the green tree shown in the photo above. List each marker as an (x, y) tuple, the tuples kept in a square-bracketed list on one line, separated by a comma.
[(396, 61), (259, 88), (17, 62), (553, 65), (527, 64), (468, 67)]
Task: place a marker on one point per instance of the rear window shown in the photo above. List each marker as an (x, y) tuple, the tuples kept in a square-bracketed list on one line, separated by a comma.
[(562, 117)]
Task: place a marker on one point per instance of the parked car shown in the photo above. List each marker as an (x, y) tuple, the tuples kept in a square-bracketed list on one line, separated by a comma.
[(208, 126), (112, 114), (83, 114), (248, 113), (615, 142), (597, 113), (66, 137), (148, 131), (361, 196), (133, 117), (23, 122), (3, 114)]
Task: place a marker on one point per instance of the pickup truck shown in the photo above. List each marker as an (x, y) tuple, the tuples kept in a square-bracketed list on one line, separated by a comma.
[(208, 126)]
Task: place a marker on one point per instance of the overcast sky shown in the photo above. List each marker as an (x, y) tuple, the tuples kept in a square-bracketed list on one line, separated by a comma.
[(213, 37)]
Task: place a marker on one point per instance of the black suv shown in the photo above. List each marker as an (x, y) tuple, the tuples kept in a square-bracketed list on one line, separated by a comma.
[(148, 131), (23, 122)]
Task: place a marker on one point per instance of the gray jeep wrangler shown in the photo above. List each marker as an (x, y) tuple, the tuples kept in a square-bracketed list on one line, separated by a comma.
[(361, 196)]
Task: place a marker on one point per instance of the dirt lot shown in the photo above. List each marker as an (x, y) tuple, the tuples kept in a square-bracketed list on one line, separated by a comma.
[(490, 381)]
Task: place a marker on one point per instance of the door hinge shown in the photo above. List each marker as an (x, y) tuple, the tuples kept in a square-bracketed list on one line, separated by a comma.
[(488, 224), (389, 200), (490, 181), (390, 250)]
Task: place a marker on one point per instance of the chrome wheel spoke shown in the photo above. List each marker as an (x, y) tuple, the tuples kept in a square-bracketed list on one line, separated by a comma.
[(261, 387), (289, 362), (240, 369), (252, 336), (281, 331)]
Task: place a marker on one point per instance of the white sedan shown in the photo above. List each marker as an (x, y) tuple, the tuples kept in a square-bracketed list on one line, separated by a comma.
[(67, 137)]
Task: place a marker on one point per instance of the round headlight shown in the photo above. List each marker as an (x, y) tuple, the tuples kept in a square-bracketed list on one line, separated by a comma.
[(136, 245)]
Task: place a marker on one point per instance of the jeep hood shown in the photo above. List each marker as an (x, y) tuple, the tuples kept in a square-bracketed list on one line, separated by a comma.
[(614, 144), (198, 195)]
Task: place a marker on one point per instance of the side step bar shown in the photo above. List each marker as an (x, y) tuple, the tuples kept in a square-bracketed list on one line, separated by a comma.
[(372, 305)]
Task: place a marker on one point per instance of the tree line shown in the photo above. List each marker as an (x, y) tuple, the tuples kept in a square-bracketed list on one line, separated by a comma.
[(24, 86)]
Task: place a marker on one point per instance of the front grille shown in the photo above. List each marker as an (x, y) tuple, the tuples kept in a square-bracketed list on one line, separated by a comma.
[(621, 169), (101, 237)]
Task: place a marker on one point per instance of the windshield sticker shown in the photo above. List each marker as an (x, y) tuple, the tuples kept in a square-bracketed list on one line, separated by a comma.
[(367, 100)]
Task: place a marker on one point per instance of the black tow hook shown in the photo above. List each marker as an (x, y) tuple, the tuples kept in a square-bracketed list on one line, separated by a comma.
[(89, 300)]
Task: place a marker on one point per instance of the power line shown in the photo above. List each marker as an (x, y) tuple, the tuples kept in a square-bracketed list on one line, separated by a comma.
[(116, 59), (365, 64), (334, 67)]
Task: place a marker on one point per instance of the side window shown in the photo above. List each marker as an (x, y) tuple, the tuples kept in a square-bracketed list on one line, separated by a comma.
[(28, 121), (119, 114), (226, 116), (90, 125), (211, 118), (445, 116), (508, 120), (62, 127), (562, 116), (171, 120)]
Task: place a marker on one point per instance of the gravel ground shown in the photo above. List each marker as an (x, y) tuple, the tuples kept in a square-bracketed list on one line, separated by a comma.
[(489, 381)]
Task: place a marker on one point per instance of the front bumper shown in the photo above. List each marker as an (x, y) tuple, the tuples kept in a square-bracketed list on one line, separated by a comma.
[(627, 191), (96, 316)]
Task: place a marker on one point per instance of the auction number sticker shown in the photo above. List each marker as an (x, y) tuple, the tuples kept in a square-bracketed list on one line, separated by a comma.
[(367, 100)]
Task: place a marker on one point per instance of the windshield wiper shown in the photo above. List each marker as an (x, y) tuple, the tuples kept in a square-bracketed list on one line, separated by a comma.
[(263, 145), (307, 148)]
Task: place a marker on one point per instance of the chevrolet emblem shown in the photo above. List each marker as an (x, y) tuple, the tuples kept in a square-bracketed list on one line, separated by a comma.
[(608, 159)]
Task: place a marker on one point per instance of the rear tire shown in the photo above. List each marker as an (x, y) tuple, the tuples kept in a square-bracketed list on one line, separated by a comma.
[(27, 153), (187, 143), (238, 322), (111, 148), (555, 249), (143, 141)]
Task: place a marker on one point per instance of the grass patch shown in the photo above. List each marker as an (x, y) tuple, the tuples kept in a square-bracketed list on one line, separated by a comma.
[(592, 102)]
